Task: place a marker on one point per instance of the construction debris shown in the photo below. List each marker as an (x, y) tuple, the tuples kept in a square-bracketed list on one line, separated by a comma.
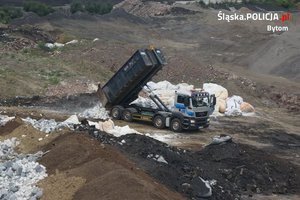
[(4, 119), (96, 112), (50, 125), (144, 8), (19, 173), (59, 45), (221, 139)]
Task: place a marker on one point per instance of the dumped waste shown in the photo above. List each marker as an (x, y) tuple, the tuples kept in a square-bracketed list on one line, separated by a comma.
[(225, 171), (221, 139), (109, 127), (19, 173), (4, 119), (233, 106), (50, 125), (221, 94), (165, 91), (96, 112), (59, 45)]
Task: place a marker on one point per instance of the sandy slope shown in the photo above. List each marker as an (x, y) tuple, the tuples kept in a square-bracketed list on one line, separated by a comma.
[(279, 56)]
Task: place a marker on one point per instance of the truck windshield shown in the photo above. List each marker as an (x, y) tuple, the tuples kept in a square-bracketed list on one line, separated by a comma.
[(199, 101)]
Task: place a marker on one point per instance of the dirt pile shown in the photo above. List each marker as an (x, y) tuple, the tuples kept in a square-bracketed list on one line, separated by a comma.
[(280, 56), (17, 38), (232, 169), (97, 171), (67, 88)]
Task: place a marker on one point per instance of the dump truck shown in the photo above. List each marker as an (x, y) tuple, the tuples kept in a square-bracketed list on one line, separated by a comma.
[(188, 112)]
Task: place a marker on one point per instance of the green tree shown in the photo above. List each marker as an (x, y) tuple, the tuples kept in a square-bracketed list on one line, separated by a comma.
[(98, 8), (9, 13), (40, 9), (76, 6), (286, 3)]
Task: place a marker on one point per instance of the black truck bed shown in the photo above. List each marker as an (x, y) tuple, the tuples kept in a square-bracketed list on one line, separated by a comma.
[(128, 81)]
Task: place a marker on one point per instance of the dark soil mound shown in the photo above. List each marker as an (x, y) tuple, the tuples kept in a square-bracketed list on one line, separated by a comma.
[(9, 127), (68, 103), (237, 169)]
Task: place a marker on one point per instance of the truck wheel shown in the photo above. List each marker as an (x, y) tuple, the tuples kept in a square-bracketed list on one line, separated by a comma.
[(116, 112), (127, 115), (176, 125), (159, 122)]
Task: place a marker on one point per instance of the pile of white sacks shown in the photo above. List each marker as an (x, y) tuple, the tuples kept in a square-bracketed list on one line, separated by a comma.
[(230, 106), (165, 91)]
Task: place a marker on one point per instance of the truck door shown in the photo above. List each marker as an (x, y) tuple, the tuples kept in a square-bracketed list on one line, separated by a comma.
[(183, 104)]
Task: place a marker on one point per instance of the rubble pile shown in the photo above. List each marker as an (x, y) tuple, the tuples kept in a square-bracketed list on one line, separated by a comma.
[(50, 125), (144, 9), (19, 173), (96, 112), (108, 126), (25, 36), (4, 119), (18, 44)]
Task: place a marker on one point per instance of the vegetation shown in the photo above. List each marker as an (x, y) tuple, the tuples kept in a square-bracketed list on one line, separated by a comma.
[(77, 6), (281, 3), (100, 8), (40, 9), (9, 13), (286, 3)]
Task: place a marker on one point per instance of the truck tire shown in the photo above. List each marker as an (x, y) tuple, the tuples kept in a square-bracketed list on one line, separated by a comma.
[(159, 122), (176, 125), (116, 112), (127, 115)]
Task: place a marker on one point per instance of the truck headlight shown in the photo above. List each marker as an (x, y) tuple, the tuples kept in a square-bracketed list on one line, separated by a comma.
[(208, 119), (192, 121)]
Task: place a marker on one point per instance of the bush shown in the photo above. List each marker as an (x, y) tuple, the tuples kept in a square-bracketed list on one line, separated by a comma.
[(281, 3), (286, 3), (100, 8), (77, 6), (40, 9), (9, 13)]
